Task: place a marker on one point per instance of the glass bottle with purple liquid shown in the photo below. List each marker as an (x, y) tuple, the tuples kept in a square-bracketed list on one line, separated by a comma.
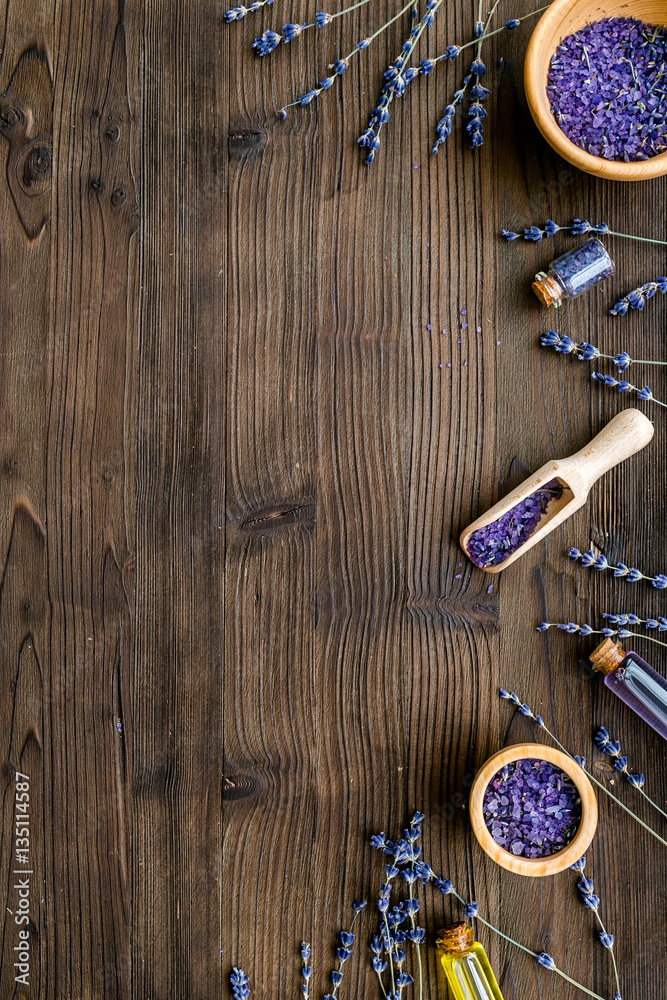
[(573, 273), (635, 682)]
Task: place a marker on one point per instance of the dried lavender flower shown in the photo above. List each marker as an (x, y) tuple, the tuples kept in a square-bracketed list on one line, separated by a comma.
[(629, 573), (495, 542), (623, 633), (630, 619), (306, 970), (623, 386), (592, 902), (613, 749), (240, 984), (538, 721), (269, 40), (237, 13), (339, 66), (344, 951), (636, 299), (578, 227), (588, 352), (396, 82)]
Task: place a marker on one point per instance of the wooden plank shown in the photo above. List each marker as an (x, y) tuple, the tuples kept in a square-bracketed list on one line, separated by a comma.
[(176, 683), (25, 205)]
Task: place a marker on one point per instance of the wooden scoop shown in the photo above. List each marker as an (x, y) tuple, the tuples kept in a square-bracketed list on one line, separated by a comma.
[(627, 433)]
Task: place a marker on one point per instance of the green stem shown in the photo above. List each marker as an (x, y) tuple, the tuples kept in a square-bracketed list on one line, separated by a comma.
[(389, 951), (629, 236), (337, 14), (651, 802), (611, 951), (417, 946), (384, 992)]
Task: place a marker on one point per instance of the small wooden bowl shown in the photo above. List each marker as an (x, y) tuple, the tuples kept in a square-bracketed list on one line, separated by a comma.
[(562, 18), (535, 867)]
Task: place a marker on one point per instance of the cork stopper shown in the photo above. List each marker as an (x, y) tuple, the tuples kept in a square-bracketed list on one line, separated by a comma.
[(547, 289), (607, 656), (454, 939)]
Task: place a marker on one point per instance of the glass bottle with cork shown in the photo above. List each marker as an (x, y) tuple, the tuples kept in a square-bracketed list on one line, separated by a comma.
[(465, 964), (573, 273), (634, 681)]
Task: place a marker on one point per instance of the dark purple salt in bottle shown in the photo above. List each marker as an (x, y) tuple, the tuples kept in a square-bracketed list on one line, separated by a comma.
[(495, 542), (573, 273), (531, 808)]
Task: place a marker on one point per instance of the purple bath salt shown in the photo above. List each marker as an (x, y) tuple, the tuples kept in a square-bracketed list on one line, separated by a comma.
[(531, 808), (607, 89), (493, 543)]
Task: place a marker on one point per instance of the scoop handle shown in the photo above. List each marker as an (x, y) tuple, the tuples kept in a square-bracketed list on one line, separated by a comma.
[(625, 434)]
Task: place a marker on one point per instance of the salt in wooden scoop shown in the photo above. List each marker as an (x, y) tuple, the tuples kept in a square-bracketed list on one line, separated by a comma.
[(565, 483)]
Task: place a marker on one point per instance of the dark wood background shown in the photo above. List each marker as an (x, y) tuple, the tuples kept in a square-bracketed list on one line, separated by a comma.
[(237, 635)]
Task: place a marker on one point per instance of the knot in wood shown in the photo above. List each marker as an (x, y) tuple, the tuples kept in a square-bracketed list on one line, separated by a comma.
[(11, 114), (36, 173)]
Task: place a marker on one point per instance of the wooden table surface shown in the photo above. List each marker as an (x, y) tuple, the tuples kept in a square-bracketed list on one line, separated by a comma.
[(237, 634)]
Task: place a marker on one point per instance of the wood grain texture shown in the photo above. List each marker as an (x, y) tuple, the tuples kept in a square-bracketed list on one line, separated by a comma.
[(237, 633)]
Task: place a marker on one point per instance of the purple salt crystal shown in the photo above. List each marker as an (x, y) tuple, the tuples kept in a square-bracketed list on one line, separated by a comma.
[(604, 88), (583, 266), (538, 811), (493, 543)]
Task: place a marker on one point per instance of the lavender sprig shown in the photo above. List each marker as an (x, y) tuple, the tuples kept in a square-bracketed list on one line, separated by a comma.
[(630, 619), (270, 40), (572, 628), (344, 951), (416, 934), (588, 352), (397, 76), (613, 749), (405, 853), (306, 970), (592, 902), (237, 13), (340, 65), (240, 984), (471, 910), (623, 386), (578, 227), (453, 51), (636, 299), (629, 573), (476, 111), (538, 721)]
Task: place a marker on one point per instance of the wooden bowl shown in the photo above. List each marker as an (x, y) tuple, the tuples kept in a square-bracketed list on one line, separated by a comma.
[(561, 19), (535, 867)]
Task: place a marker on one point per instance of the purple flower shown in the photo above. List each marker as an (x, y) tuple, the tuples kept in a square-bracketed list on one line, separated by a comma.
[(636, 298), (546, 960), (240, 984), (266, 43)]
